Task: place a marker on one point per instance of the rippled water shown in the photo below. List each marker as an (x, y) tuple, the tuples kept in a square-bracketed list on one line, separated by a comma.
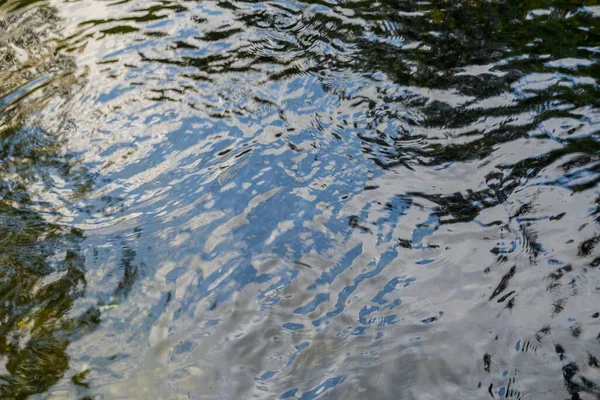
[(299, 199)]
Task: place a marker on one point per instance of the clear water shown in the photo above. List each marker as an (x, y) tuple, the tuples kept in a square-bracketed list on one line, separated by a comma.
[(299, 199)]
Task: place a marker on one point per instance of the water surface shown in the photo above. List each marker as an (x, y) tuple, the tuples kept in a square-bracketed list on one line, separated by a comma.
[(299, 199)]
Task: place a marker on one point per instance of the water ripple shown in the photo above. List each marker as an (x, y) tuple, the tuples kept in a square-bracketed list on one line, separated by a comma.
[(296, 199)]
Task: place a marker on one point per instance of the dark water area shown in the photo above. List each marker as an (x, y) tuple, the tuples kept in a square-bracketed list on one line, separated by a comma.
[(299, 199)]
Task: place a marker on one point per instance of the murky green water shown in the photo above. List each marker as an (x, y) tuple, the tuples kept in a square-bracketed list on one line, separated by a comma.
[(299, 200)]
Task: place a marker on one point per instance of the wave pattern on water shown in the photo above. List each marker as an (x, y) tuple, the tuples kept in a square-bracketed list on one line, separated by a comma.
[(300, 199)]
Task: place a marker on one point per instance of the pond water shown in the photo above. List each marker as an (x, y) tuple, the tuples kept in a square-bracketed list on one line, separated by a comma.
[(292, 199)]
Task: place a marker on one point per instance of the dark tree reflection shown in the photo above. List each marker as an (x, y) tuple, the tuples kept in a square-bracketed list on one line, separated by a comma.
[(42, 265)]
